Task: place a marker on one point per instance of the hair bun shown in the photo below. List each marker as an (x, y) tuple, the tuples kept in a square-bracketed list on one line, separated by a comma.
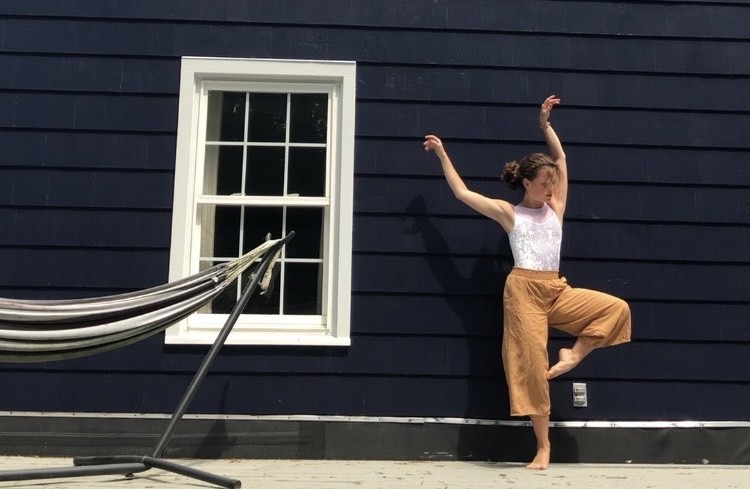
[(510, 174)]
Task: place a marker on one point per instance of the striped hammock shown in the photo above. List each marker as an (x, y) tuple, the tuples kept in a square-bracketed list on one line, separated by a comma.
[(46, 330)]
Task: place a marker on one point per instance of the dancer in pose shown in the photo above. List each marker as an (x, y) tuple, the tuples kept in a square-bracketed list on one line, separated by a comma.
[(535, 297)]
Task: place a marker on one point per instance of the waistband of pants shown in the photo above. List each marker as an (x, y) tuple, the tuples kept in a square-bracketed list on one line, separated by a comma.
[(535, 274)]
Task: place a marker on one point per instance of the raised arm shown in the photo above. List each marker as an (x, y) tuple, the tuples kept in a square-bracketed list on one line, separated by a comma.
[(496, 209), (560, 198)]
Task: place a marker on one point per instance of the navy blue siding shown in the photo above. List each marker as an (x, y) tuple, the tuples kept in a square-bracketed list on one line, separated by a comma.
[(654, 122)]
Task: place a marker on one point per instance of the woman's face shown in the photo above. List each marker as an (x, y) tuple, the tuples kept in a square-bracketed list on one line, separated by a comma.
[(542, 188)]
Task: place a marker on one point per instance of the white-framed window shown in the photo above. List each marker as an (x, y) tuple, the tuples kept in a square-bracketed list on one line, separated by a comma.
[(266, 146)]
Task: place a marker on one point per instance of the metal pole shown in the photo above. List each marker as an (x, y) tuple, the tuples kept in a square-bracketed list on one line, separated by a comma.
[(60, 472), (145, 463), (192, 473), (218, 343)]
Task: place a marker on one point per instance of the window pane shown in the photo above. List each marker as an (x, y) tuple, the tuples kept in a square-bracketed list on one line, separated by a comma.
[(223, 170), (265, 171), (226, 116), (267, 121), (302, 288), (258, 222), (307, 224), (226, 231), (307, 171), (309, 118)]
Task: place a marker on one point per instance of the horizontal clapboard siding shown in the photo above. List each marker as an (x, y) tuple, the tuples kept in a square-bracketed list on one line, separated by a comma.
[(442, 315), (599, 239), (594, 201), (605, 126), (654, 122), (480, 398), (657, 19), (596, 163), (420, 356), (387, 81), (531, 50), (656, 281)]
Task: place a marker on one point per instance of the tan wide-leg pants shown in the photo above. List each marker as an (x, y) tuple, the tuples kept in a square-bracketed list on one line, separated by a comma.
[(532, 302)]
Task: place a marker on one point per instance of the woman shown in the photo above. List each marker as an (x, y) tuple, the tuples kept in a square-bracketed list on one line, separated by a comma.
[(535, 296)]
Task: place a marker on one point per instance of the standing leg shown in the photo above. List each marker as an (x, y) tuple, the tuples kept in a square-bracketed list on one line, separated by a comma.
[(543, 447), (524, 349), (596, 318), (525, 358)]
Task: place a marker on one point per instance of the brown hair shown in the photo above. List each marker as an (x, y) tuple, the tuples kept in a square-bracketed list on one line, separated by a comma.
[(529, 167)]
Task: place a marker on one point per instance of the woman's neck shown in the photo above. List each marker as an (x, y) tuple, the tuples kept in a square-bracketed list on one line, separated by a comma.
[(531, 204)]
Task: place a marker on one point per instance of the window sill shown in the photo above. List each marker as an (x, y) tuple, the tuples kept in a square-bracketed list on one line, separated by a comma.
[(256, 338)]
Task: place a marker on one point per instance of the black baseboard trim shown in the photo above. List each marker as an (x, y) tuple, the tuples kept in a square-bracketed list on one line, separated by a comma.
[(61, 436)]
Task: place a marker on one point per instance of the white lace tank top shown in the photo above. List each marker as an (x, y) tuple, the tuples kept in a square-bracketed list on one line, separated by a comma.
[(536, 238)]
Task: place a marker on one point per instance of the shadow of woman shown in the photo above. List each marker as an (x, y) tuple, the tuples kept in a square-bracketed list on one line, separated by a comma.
[(485, 385)]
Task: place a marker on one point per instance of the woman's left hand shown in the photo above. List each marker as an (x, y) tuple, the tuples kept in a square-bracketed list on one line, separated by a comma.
[(433, 143), (546, 109)]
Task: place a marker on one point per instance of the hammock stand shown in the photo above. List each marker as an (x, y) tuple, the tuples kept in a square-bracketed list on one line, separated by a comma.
[(127, 465)]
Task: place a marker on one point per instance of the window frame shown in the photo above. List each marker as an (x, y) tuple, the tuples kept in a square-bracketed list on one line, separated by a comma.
[(198, 74)]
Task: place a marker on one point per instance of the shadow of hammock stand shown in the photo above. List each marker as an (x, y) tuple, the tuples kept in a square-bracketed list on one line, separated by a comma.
[(127, 465)]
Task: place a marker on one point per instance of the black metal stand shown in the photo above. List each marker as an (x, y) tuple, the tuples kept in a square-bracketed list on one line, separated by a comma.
[(131, 464)]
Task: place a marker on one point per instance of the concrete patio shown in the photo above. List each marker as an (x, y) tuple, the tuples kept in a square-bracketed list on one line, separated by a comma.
[(326, 474)]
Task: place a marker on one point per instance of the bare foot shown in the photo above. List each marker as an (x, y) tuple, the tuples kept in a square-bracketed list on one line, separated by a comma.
[(566, 363), (541, 461)]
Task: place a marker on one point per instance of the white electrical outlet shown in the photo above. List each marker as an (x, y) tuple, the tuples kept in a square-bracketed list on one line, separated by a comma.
[(580, 399)]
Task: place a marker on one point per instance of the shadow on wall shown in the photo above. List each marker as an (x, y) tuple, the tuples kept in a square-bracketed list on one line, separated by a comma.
[(475, 442)]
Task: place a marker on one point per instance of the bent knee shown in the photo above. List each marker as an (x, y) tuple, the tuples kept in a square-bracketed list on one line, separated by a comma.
[(621, 308)]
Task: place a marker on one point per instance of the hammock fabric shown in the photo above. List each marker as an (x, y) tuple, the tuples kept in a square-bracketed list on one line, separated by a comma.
[(39, 331)]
